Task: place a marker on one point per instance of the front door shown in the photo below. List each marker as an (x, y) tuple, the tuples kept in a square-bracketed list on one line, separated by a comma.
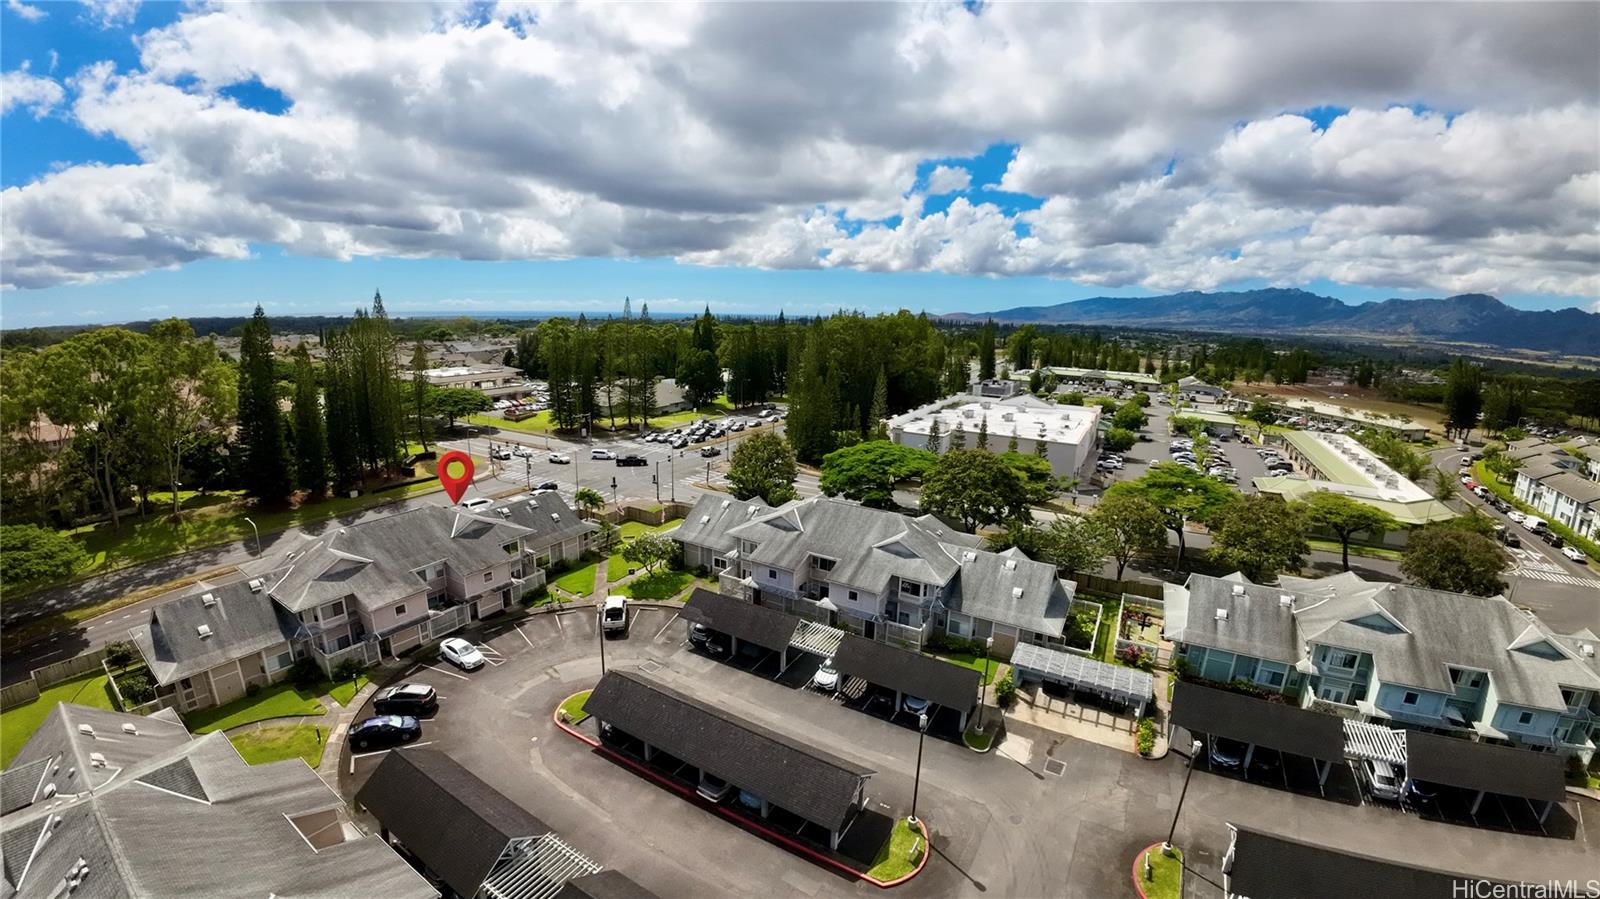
[(871, 630)]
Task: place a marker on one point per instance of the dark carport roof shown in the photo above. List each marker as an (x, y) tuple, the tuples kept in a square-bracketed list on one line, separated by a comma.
[(766, 628), (814, 784), (940, 682), (1271, 867), (1274, 725), (443, 814), (604, 885), (1484, 766)]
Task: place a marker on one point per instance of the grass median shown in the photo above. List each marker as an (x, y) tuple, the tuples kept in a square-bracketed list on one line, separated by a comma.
[(900, 855)]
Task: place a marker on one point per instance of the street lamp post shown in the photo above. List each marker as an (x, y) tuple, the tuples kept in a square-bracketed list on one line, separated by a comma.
[(657, 479), (257, 533), (983, 696), (601, 632), (1194, 750), (916, 783)]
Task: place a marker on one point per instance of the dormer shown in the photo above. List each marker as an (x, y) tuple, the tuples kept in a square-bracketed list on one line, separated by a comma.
[(1536, 643)]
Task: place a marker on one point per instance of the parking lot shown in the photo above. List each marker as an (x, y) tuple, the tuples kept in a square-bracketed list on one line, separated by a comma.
[(1233, 451), (1052, 816)]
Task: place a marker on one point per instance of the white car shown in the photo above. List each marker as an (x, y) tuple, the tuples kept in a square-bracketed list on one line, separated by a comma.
[(827, 677), (523, 452), (602, 454), (560, 459), (614, 615), (462, 654), (1575, 554), (476, 503), (1516, 516)]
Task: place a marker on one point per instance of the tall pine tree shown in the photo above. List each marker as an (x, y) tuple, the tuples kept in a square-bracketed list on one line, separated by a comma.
[(264, 460), (877, 418), (419, 391), (310, 446)]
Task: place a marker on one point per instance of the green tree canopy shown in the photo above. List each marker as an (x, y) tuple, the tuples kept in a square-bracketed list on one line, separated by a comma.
[(451, 403), (763, 465), (1346, 517), (1073, 545), (1260, 535), (1262, 413), (975, 488), (649, 550), (1119, 440), (867, 472), (1129, 526), (1039, 482), (1446, 558), (1181, 494), (1129, 416), (29, 553)]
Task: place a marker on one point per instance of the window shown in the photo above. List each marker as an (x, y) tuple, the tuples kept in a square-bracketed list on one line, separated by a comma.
[(822, 591), (823, 564), (543, 561), (1274, 678), (1338, 658), (1569, 697), (510, 548), (718, 564), (335, 609), (910, 588), (853, 596), (1409, 698), (400, 610), (772, 574), (488, 576), (281, 661)]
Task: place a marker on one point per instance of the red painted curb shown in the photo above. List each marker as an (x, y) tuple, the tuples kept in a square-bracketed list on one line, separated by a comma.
[(746, 822), (1138, 882)]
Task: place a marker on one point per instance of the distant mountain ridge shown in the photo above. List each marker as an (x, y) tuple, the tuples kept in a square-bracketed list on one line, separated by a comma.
[(1465, 318)]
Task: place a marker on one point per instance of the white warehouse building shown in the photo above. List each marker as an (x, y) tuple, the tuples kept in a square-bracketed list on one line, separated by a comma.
[(1067, 432)]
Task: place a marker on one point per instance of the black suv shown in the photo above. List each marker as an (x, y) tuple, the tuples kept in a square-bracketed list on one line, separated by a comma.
[(630, 461), (406, 699)]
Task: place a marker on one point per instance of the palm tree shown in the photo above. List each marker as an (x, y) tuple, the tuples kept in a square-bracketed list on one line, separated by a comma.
[(589, 501)]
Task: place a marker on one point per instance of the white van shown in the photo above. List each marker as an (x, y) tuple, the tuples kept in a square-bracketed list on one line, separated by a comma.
[(1534, 524), (602, 454)]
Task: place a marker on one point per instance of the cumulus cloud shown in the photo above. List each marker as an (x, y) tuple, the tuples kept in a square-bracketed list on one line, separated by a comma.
[(24, 11), (1163, 150), (111, 13), (19, 89)]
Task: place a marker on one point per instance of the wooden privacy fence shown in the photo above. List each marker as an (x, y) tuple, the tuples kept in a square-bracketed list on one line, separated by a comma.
[(48, 676), (1095, 583)]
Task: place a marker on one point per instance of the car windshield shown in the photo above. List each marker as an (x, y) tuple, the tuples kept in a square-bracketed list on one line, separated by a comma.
[(614, 612)]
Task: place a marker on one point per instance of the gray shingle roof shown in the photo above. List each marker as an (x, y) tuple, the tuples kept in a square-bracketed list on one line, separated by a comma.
[(1579, 488), (547, 517), (20, 784), (241, 623), (707, 524), (940, 682), (1267, 866), (871, 545), (812, 783), (1257, 624), (1275, 725), (60, 739), (1485, 766), (765, 627), (141, 841), (1539, 468), (445, 815), (375, 559), (988, 588)]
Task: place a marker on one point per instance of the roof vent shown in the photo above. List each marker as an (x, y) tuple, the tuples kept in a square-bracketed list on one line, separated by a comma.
[(555, 516), (97, 760), (203, 630), (131, 729), (1222, 614), (726, 503), (86, 729), (504, 512), (49, 791), (1011, 564), (210, 599), (1238, 589), (1286, 600), (1588, 650), (1016, 592), (968, 555), (705, 519), (256, 585)]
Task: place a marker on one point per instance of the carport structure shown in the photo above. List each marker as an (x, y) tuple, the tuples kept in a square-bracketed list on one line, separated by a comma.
[(1257, 722), (1127, 686), (783, 772), (941, 683), (742, 621), (1266, 866), (1484, 768)]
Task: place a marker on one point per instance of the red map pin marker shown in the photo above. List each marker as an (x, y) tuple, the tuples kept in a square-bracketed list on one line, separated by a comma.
[(455, 473)]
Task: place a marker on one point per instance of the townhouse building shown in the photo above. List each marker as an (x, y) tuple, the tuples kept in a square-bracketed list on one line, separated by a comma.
[(1470, 666), (369, 591), (878, 574), (1559, 484)]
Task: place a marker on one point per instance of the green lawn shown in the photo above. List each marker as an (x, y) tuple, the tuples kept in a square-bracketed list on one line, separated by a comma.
[(283, 700), (345, 691), (275, 744), (722, 406), (1166, 880), (18, 724), (895, 859), (1356, 549), (659, 586), (980, 742), (573, 706), (538, 424), (616, 567), (970, 660), (579, 580), (631, 529)]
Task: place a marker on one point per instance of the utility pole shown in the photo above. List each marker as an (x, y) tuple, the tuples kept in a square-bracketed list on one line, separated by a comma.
[(916, 784), (1194, 751)]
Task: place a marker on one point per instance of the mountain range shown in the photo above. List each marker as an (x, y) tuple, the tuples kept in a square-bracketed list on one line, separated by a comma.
[(1473, 318)]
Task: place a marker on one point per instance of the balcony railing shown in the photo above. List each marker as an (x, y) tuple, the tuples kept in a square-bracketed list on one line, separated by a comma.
[(904, 634)]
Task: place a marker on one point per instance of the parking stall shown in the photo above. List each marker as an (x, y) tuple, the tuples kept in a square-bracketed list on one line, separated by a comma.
[(1484, 769), (1257, 723), (909, 674)]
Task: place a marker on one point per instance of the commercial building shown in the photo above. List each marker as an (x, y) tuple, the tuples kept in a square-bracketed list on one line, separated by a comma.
[(1315, 414), (669, 398), (1338, 463), (1067, 433), (1090, 378), (102, 803), (1469, 666), (494, 381), (879, 574)]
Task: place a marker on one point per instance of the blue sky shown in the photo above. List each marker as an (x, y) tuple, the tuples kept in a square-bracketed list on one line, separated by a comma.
[(189, 181)]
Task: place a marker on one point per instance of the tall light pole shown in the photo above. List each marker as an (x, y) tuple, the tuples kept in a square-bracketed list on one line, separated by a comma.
[(671, 476), (657, 479), (916, 783), (983, 689), (1194, 750), (257, 533), (601, 631)]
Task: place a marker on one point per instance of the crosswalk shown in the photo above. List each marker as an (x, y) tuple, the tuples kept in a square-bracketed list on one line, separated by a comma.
[(1532, 565)]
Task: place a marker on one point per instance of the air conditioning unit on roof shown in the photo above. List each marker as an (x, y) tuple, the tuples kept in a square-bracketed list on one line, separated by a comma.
[(209, 599)]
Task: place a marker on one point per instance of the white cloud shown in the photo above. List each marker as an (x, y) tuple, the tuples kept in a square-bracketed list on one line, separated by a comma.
[(759, 134), (21, 90), (24, 11), (947, 179), (111, 13)]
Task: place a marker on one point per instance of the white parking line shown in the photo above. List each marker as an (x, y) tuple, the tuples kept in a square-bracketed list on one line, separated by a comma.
[(450, 673), (521, 634), (667, 625), (363, 755)]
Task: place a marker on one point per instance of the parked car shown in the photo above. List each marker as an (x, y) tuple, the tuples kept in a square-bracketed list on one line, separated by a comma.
[(1575, 554), (500, 453), (631, 461), (559, 459), (614, 616), (1421, 790), (1467, 479), (602, 454), (476, 503), (384, 730), (1382, 780), (707, 639), (713, 788), (1516, 516), (678, 443), (1512, 540), (523, 452), (546, 485), (1552, 538), (406, 699), (1108, 465), (827, 677), (709, 451), (1226, 753), (462, 654), (916, 705)]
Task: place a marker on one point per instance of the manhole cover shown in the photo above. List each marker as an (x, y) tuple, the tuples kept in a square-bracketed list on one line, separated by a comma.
[(1056, 767), (649, 667)]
